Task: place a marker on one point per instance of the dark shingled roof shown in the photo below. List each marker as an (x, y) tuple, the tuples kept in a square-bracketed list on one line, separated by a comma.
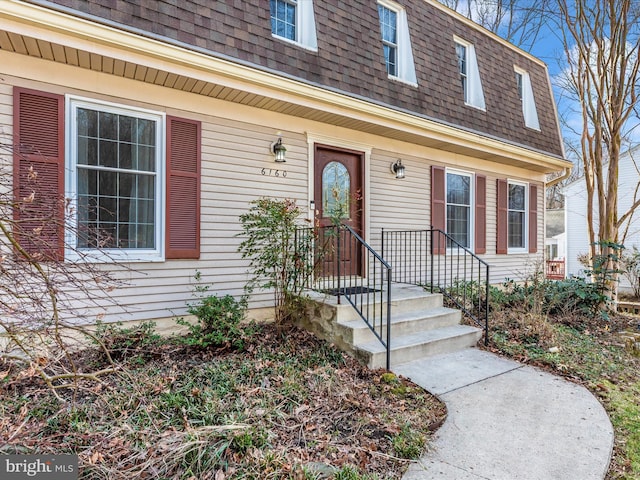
[(350, 57)]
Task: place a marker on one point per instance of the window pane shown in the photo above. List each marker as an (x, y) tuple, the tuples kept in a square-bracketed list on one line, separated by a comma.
[(108, 125), (108, 153), (516, 230), (516, 197), (458, 222), (87, 181), (87, 123), (87, 151), (336, 187), (146, 132), (126, 126), (461, 51), (458, 189), (146, 159), (390, 59), (107, 209), (125, 158)]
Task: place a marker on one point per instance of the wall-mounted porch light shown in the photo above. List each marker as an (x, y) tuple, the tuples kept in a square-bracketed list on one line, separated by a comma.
[(279, 150), (398, 168)]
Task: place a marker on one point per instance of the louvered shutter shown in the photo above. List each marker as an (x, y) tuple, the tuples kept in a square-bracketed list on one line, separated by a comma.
[(481, 214), (183, 188), (533, 219), (502, 216), (38, 138), (438, 209)]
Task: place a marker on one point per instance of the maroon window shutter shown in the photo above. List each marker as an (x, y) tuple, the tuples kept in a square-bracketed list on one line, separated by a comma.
[(533, 219), (502, 216), (438, 209), (481, 214), (183, 188), (38, 171)]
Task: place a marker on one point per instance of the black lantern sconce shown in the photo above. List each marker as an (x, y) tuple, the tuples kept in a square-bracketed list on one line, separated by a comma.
[(279, 150), (398, 169)]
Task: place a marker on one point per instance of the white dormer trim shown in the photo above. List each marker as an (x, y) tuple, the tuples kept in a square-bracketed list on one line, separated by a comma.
[(406, 66), (307, 36), (529, 110), (475, 94)]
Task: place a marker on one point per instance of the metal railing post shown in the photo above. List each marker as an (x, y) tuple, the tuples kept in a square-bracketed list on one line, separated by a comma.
[(388, 319), (486, 310)]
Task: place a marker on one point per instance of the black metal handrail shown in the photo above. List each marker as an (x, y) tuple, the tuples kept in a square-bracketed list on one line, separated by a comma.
[(346, 266), (433, 259)]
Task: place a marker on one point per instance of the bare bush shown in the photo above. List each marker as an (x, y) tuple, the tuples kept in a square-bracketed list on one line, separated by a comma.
[(46, 302)]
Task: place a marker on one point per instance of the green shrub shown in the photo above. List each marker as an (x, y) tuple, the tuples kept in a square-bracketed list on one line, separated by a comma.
[(280, 252), (218, 322), (572, 295)]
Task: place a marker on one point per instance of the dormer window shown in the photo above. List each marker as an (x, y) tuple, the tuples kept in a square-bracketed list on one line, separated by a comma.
[(469, 74), (525, 93), (389, 27), (396, 44), (293, 20)]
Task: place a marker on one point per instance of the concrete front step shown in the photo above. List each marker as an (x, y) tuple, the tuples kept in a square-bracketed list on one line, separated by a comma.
[(358, 332), (404, 299), (407, 348)]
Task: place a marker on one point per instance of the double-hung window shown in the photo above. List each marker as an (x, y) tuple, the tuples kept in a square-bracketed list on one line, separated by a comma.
[(396, 44), (525, 94), (294, 20), (517, 216), (389, 27), (469, 74), (458, 202), (116, 172), (461, 53)]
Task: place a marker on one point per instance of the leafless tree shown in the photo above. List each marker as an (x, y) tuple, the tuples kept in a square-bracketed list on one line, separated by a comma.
[(601, 39), (517, 21)]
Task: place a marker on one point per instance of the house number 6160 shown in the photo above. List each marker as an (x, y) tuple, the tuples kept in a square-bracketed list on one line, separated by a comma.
[(273, 173)]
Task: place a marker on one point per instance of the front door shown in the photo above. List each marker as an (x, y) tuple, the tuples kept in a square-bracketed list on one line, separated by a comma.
[(338, 194)]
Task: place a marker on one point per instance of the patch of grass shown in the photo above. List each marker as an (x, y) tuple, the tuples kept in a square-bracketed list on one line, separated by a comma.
[(409, 443), (349, 472), (624, 405)]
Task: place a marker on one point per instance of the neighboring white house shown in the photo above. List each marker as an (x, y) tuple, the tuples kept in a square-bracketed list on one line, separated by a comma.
[(577, 238), (555, 235)]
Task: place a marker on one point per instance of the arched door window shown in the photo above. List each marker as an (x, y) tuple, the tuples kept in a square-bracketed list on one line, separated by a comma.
[(336, 185)]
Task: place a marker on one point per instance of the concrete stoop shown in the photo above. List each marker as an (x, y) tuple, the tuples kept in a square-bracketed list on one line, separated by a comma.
[(420, 327)]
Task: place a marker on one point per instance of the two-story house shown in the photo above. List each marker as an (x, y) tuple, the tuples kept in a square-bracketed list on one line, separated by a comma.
[(161, 120)]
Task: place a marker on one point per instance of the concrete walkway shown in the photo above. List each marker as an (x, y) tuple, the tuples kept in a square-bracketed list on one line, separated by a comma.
[(508, 421)]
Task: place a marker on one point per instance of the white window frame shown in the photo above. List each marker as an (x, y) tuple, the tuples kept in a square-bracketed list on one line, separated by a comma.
[(525, 218), (529, 111), (474, 95), (472, 198), (306, 36), (72, 253), (405, 67)]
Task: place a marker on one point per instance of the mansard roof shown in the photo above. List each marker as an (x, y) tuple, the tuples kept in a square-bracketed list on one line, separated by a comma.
[(349, 57)]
